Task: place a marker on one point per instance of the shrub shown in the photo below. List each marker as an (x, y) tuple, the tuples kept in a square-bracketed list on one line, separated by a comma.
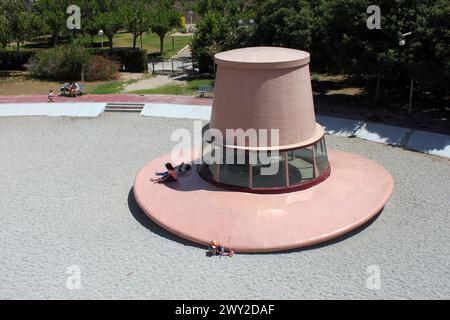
[(101, 68), (13, 60), (60, 63), (65, 64), (133, 60)]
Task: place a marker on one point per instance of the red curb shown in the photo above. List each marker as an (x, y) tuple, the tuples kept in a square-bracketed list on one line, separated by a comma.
[(112, 98)]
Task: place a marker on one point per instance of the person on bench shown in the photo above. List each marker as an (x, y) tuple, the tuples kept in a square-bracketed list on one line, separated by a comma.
[(74, 89)]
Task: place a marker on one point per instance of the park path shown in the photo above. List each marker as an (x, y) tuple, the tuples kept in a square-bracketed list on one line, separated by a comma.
[(111, 98), (152, 83), (180, 62)]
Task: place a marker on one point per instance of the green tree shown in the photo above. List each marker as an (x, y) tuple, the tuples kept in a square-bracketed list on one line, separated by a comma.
[(220, 29), (337, 35), (164, 19), (284, 23), (5, 33), (138, 18), (111, 18), (21, 23), (53, 13), (430, 46), (226, 7), (90, 9), (343, 43), (208, 40)]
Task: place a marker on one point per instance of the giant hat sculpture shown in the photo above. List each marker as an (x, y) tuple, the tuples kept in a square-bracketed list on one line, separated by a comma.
[(265, 180)]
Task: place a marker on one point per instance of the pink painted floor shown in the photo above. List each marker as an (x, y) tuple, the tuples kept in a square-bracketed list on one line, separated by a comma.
[(113, 98), (356, 191)]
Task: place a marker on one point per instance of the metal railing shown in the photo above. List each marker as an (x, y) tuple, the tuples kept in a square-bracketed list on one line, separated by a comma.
[(158, 65)]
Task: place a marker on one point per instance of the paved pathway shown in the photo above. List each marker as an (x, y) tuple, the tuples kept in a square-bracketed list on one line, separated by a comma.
[(130, 98), (154, 82), (181, 62), (66, 199)]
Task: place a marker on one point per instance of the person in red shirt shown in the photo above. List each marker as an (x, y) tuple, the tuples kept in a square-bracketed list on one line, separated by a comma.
[(171, 175)]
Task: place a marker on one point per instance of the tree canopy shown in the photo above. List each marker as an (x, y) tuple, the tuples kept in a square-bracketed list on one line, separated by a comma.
[(138, 17), (336, 34), (19, 22), (53, 13), (164, 18)]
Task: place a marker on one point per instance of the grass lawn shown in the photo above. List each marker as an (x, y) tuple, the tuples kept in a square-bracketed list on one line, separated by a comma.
[(189, 89), (150, 43), (20, 83), (109, 87)]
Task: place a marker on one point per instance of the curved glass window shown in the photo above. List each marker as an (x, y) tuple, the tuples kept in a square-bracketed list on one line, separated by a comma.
[(321, 156), (301, 165), (260, 171), (269, 173), (235, 168), (210, 169)]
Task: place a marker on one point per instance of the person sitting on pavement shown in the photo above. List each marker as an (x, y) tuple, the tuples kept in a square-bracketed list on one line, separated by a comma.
[(224, 253), (51, 96), (171, 175), (183, 168), (215, 249)]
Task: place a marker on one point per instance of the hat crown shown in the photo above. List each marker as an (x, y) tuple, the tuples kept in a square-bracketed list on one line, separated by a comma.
[(265, 88)]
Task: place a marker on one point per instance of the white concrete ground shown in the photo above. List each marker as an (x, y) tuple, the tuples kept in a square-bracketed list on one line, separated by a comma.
[(411, 139), (88, 109), (171, 110), (65, 200)]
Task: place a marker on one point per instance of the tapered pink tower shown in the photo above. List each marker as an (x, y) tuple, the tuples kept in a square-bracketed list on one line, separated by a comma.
[(314, 196), (267, 88)]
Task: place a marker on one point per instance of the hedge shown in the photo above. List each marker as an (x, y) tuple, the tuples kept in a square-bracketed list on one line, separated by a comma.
[(65, 63), (13, 60), (134, 60)]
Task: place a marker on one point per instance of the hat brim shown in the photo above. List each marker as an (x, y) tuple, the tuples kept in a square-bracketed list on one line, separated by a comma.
[(356, 191)]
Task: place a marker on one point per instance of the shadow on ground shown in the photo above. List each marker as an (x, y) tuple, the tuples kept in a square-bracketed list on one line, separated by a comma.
[(146, 222)]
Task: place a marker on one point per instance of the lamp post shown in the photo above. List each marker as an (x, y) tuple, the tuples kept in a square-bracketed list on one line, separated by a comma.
[(402, 42), (246, 23), (100, 33), (190, 14), (401, 37), (243, 27)]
